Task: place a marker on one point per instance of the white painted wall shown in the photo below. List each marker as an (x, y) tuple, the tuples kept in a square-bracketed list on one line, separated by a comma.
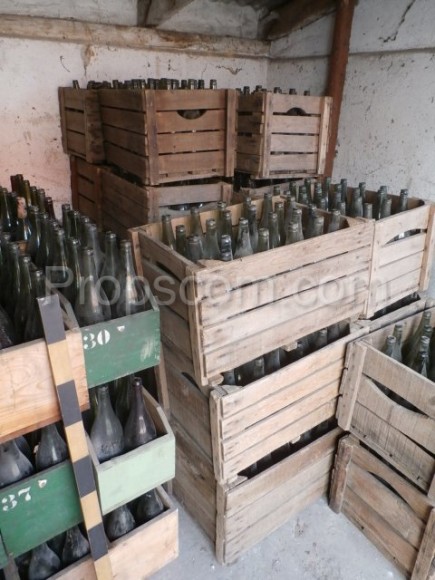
[(31, 71), (387, 126)]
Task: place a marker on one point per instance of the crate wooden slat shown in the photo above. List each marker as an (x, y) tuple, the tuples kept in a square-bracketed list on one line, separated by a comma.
[(140, 553), (402, 266), (401, 436), (392, 513), (238, 310), (129, 205), (167, 136), (282, 135), (81, 126), (86, 189)]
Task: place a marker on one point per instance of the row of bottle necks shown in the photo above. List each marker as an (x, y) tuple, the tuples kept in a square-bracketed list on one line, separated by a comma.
[(117, 422), (165, 83), (281, 223)]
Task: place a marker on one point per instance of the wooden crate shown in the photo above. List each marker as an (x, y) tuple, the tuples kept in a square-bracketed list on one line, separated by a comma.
[(392, 513), (221, 315), (86, 194), (238, 515), (99, 353), (124, 478), (401, 436), (139, 554), (272, 143), (401, 267), (146, 134), (258, 192), (127, 205), (80, 122)]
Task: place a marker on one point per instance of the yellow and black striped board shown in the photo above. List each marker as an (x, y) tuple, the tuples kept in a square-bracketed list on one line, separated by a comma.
[(61, 369)]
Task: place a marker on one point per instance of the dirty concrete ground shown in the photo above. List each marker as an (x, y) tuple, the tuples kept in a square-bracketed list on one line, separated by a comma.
[(316, 544)]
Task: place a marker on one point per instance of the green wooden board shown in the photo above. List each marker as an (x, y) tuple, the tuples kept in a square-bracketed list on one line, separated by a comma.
[(125, 478), (39, 507), (121, 346)]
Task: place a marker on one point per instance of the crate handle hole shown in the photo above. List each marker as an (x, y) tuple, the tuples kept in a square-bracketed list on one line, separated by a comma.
[(296, 112), (192, 114)]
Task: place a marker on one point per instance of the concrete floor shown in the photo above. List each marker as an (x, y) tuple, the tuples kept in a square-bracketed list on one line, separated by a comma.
[(317, 544)]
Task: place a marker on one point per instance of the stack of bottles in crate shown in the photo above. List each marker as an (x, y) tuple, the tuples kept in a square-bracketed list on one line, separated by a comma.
[(40, 255)]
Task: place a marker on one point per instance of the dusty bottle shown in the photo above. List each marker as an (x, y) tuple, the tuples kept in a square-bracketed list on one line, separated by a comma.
[(227, 226), (43, 563), (293, 234), (397, 333), (274, 237), (195, 224), (221, 206), (279, 210), (148, 507), (411, 346), (34, 240), (33, 329), (76, 546), (139, 427), (59, 271), (272, 361), (66, 208), (123, 398), (91, 305), (43, 252), (49, 208), (23, 231), (167, 232), (106, 433), (14, 280), (12, 470), (312, 215), (253, 229), (267, 208), (71, 290), (23, 446), (297, 218), (110, 272), (180, 240), (318, 226), (386, 207), (290, 205), (229, 377), (84, 220), (134, 292), (93, 243), (119, 522), (243, 244), (320, 339), (74, 224), (247, 202), (5, 213), (24, 297), (211, 246), (195, 250), (258, 369), (368, 211), (51, 450), (421, 360), (263, 240), (356, 206), (7, 332), (226, 251), (334, 221)]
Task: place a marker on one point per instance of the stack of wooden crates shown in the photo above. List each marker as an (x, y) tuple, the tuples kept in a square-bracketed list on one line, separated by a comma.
[(160, 149)]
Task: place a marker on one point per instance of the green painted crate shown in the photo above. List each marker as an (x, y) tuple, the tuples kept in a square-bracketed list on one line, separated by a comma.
[(39, 507), (128, 476)]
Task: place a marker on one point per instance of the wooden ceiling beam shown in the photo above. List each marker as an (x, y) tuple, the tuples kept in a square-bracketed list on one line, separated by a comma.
[(296, 14)]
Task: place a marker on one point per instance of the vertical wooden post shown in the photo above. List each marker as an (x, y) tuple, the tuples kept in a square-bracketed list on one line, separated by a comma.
[(337, 72)]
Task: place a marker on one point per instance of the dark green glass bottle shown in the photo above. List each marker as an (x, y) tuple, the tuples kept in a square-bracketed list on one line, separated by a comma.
[(35, 236), (133, 292), (33, 329), (59, 273), (267, 208), (91, 305), (5, 213), (211, 246), (181, 240), (253, 229), (119, 522), (13, 280), (24, 297), (243, 244), (76, 546), (106, 433), (274, 237), (139, 427), (72, 256), (194, 248), (148, 507), (167, 232), (334, 221), (93, 243), (110, 272), (44, 563), (52, 448), (66, 208), (43, 252)]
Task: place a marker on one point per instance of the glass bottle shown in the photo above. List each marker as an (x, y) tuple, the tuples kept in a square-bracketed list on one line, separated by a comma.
[(74, 221), (194, 248), (91, 305), (49, 208), (13, 280), (263, 240), (76, 546), (386, 208), (66, 225), (180, 240), (279, 210), (33, 328), (43, 563), (253, 229), (84, 220), (12, 198), (397, 333), (134, 293), (312, 214), (106, 433), (167, 233), (40, 196), (293, 234), (334, 221), (23, 231), (52, 448), (343, 184), (33, 242), (274, 238), (318, 226), (221, 206), (23, 446), (7, 332), (93, 243), (320, 339), (211, 247), (226, 251), (5, 213), (297, 218), (258, 370), (71, 291), (403, 202), (243, 244), (139, 427), (229, 377), (272, 361), (10, 469), (148, 506), (119, 522), (247, 202), (195, 224), (267, 208), (23, 298), (43, 251), (227, 226), (290, 205), (362, 191), (368, 211), (110, 272), (123, 398), (59, 271), (356, 207), (410, 346), (420, 362), (53, 226)]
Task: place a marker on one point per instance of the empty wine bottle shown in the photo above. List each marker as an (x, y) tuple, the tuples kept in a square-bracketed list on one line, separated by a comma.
[(243, 244), (74, 221), (180, 240), (386, 207), (167, 232), (106, 433), (263, 240), (272, 361), (253, 229), (194, 248), (123, 398), (71, 290), (195, 221), (356, 206), (5, 213), (274, 236), (229, 377), (52, 448), (23, 298), (76, 546), (43, 563), (59, 273), (23, 446), (33, 328), (93, 243), (279, 210), (412, 345), (134, 294), (139, 427), (66, 225), (119, 522), (110, 271), (12, 470), (91, 305), (293, 234), (43, 251), (148, 507), (227, 226), (211, 246), (14, 280), (34, 240), (258, 369), (7, 334), (267, 208), (226, 252)]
